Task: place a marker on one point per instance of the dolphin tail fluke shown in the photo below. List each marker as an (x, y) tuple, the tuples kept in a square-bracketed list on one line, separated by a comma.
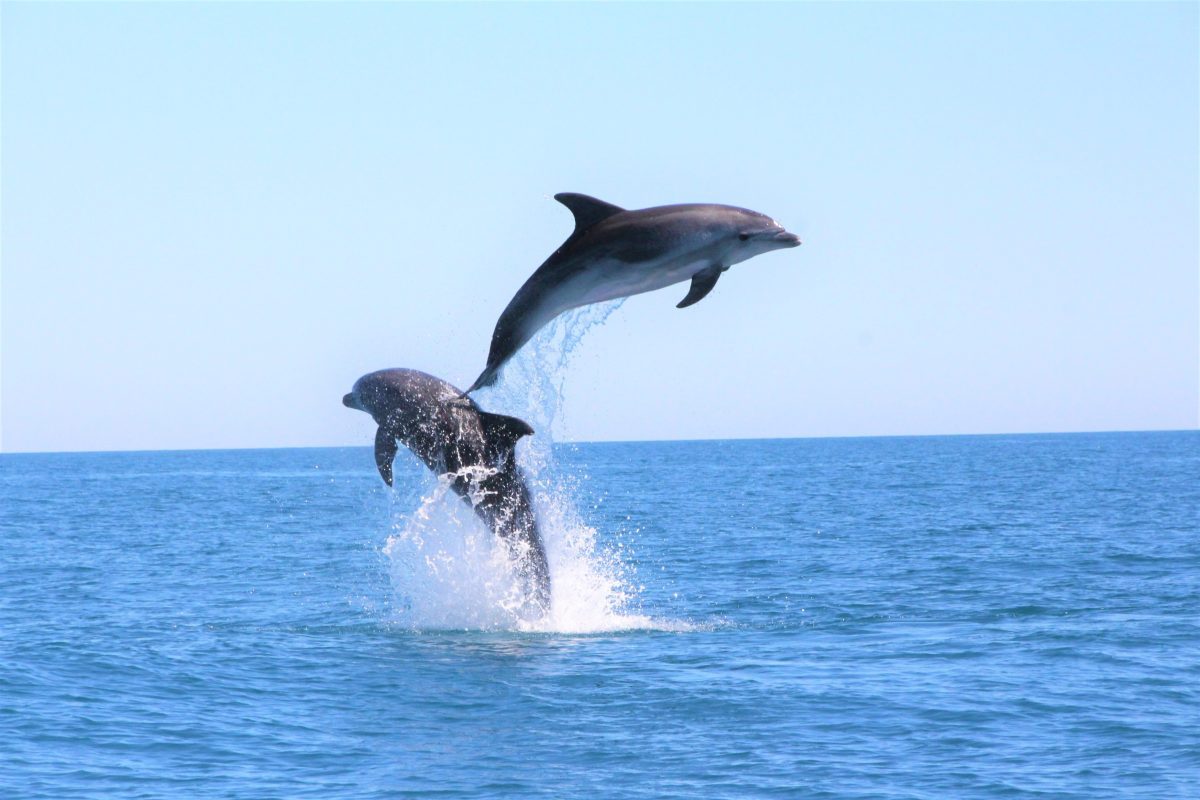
[(486, 378)]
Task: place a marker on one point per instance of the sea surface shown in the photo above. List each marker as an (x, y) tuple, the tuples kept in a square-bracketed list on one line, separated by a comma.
[(953, 617)]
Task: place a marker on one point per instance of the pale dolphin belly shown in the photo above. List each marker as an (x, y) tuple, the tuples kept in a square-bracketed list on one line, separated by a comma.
[(600, 280), (610, 279)]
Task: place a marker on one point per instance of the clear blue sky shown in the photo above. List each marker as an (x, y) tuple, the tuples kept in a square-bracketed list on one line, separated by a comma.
[(216, 217)]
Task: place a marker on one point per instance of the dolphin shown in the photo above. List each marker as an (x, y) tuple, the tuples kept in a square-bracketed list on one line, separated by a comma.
[(617, 253), (451, 434)]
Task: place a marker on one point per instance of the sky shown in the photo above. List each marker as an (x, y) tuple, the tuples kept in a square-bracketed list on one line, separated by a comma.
[(215, 217)]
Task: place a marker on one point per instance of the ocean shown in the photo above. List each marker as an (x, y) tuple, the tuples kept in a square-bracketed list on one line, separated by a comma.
[(935, 617)]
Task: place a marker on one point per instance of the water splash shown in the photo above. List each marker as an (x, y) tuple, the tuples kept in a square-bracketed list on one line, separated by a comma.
[(450, 572), (531, 385)]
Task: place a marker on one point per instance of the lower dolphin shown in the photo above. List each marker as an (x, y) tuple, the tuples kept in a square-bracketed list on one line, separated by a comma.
[(451, 434)]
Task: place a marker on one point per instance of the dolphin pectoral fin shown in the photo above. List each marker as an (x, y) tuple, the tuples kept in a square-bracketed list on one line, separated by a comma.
[(702, 283), (587, 210), (385, 453)]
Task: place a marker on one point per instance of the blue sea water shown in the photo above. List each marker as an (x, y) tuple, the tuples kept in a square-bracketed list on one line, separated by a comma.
[(957, 617)]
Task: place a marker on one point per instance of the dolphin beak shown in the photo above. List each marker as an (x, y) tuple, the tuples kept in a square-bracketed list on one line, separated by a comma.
[(786, 239), (348, 401)]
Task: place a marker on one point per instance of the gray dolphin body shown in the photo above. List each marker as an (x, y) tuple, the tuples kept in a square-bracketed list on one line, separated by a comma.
[(451, 434), (617, 253)]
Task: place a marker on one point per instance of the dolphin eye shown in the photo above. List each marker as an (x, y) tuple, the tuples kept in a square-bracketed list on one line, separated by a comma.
[(743, 236)]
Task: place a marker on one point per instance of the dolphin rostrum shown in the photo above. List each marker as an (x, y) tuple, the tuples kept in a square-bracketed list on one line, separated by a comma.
[(451, 434), (617, 253)]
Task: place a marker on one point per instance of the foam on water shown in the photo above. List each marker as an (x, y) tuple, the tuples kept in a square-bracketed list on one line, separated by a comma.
[(450, 572)]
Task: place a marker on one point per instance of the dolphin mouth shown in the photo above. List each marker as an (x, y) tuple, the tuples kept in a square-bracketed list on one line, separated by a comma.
[(348, 401), (786, 239)]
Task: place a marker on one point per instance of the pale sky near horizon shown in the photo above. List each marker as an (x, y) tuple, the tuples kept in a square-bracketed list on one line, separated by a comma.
[(215, 217)]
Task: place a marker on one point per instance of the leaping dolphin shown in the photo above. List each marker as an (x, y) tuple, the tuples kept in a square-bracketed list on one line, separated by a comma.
[(617, 253), (451, 434)]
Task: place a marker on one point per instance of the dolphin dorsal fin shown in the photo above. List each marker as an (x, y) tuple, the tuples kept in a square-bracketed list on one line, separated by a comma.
[(502, 432), (587, 210)]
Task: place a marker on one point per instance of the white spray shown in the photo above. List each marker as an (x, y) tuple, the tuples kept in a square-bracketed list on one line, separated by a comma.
[(450, 572)]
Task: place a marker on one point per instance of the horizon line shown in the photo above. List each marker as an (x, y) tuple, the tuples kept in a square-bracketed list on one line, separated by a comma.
[(629, 441)]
